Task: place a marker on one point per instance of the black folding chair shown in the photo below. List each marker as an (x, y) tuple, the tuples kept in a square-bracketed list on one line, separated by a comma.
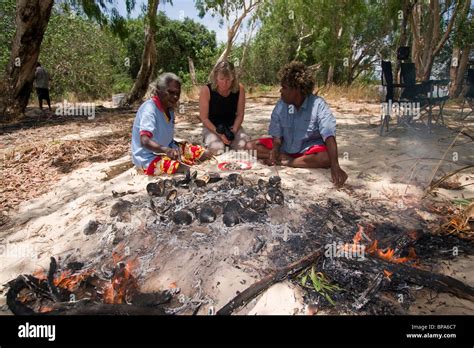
[(412, 98), (468, 94), (416, 99), (429, 94)]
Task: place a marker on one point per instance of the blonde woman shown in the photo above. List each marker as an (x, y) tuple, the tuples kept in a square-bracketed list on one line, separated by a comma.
[(221, 110)]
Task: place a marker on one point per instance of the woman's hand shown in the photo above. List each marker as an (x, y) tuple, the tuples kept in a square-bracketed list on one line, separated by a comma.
[(171, 153), (224, 139)]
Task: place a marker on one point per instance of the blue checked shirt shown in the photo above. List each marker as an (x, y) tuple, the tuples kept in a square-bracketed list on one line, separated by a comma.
[(300, 129)]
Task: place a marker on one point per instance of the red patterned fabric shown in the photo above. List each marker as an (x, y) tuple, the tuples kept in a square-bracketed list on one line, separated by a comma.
[(164, 165)]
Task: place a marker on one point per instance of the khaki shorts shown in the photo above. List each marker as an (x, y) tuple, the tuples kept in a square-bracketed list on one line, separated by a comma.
[(213, 143)]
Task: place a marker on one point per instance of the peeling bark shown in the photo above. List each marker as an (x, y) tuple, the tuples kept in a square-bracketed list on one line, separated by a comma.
[(32, 17)]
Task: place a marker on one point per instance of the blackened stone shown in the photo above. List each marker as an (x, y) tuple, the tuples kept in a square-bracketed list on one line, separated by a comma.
[(121, 209), (262, 185), (274, 195), (207, 214), (183, 217), (235, 179), (231, 218), (91, 227), (214, 177), (249, 216), (274, 181), (259, 204), (232, 206), (156, 188)]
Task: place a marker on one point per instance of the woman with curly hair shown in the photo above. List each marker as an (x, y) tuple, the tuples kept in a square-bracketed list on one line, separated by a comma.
[(302, 127)]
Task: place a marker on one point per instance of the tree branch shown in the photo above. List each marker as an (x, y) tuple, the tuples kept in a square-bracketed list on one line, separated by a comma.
[(448, 29)]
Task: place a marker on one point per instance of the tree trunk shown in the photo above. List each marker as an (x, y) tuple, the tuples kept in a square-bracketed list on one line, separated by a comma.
[(234, 28), (149, 56), (457, 71), (330, 77), (228, 47), (32, 18), (192, 71), (427, 38), (247, 39), (460, 56), (407, 7)]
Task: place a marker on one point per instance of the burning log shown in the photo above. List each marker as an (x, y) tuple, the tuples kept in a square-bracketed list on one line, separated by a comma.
[(257, 288), (417, 276), (143, 303), (52, 270), (46, 294)]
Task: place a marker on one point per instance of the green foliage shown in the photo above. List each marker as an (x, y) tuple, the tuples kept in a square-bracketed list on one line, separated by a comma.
[(175, 42), (96, 57), (104, 12), (311, 279), (348, 35), (7, 28), (179, 40), (83, 59)]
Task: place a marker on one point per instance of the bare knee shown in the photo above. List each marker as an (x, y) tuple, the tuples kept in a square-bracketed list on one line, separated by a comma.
[(215, 148), (319, 160), (250, 145)]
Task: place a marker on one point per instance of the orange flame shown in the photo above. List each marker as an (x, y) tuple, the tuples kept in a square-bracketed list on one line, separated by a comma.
[(66, 280), (388, 274), (45, 309), (354, 247), (40, 274), (389, 254), (122, 285)]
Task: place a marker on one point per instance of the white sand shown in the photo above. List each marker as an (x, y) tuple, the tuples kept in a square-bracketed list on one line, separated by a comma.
[(381, 171)]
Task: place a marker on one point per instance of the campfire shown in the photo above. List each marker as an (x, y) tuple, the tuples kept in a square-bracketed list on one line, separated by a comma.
[(345, 262)]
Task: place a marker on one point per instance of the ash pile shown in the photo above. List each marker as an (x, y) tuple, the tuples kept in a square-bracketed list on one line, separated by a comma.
[(209, 199), (344, 262)]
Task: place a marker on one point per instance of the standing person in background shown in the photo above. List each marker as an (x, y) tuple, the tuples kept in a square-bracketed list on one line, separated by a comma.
[(221, 109), (42, 85)]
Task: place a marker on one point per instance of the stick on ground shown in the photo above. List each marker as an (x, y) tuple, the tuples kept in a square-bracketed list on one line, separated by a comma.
[(257, 288)]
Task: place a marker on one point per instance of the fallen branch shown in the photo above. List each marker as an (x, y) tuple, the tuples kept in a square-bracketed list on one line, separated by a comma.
[(53, 266), (257, 288), (435, 281), (442, 158), (434, 185), (367, 295), (143, 303), (117, 169)]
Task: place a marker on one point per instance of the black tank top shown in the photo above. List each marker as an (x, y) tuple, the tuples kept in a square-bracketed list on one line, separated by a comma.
[(223, 110)]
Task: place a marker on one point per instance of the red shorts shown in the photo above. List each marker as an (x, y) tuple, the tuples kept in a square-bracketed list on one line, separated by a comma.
[(268, 143)]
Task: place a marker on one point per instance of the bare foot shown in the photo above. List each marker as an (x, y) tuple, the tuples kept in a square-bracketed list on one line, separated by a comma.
[(286, 160), (267, 162)]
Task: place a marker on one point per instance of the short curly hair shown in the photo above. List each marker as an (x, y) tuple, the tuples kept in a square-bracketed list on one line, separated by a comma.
[(296, 75)]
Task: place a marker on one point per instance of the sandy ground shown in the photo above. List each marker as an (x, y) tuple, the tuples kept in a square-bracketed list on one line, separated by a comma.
[(392, 171)]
